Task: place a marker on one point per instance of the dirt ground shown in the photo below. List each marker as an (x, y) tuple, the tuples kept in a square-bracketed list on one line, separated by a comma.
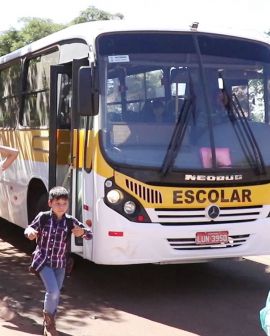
[(85, 310), (148, 300)]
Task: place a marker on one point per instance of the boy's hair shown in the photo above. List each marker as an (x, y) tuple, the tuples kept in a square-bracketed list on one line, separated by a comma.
[(57, 193)]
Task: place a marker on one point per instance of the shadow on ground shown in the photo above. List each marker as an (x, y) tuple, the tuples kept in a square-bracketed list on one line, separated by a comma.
[(212, 299)]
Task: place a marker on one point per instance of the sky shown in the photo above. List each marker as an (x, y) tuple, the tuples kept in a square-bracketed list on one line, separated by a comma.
[(245, 14)]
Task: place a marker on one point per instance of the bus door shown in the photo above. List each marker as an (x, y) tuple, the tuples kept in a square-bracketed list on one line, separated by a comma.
[(60, 126), (64, 150)]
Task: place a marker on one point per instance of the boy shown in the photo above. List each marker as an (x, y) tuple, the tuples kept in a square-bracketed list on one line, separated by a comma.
[(50, 256)]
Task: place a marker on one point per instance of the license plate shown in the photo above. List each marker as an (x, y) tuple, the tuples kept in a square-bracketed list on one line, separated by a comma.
[(206, 238)]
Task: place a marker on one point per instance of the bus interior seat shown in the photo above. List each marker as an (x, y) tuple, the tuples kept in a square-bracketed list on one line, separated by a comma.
[(114, 116), (147, 113), (172, 110)]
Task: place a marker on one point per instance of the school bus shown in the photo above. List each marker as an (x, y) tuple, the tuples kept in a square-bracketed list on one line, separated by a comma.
[(160, 134)]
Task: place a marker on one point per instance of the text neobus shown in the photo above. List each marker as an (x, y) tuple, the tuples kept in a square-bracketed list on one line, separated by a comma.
[(192, 177)]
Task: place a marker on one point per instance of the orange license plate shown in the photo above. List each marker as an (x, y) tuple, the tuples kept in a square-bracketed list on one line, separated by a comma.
[(206, 238)]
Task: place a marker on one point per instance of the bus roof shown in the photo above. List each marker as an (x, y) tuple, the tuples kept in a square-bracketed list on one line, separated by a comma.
[(89, 30)]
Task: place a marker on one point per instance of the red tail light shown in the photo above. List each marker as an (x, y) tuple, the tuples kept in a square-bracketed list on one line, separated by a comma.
[(116, 233)]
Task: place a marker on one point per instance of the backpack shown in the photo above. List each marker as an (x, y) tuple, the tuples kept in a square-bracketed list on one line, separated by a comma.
[(44, 217)]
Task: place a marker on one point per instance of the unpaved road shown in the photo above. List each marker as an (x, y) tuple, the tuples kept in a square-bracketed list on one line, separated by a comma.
[(214, 299)]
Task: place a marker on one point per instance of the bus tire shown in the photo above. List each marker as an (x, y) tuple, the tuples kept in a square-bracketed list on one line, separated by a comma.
[(37, 201), (42, 203)]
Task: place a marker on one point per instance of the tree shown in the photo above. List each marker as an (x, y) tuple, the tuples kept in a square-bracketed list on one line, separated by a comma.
[(36, 28), (93, 14), (7, 40), (33, 29)]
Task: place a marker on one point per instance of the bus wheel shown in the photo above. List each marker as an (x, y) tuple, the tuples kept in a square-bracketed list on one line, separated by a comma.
[(41, 205)]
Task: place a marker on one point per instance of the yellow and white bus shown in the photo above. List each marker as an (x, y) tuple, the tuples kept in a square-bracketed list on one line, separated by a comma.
[(188, 183)]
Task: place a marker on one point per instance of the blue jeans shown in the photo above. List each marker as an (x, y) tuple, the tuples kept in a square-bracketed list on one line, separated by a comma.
[(52, 279)]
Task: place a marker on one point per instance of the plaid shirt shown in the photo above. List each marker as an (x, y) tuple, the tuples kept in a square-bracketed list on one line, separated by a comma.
[(53, 240)]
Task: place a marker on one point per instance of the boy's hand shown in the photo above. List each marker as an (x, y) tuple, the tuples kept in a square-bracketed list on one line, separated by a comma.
[(77, 231), (32, 234)]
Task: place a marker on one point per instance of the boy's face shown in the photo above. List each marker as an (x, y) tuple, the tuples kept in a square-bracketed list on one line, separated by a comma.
[(59, 206)]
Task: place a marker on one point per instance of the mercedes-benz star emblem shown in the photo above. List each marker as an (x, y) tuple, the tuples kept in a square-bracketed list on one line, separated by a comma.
[(213, 211)]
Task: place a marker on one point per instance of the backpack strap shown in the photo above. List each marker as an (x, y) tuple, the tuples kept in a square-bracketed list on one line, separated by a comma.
[(69, 220), (43, 219)]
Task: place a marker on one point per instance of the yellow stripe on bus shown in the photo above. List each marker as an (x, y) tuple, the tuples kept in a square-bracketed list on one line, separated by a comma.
[(190, 197)]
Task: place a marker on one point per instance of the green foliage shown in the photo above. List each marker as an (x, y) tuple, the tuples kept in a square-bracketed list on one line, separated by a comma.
[(35, 28), (93, 14), (7, 40)]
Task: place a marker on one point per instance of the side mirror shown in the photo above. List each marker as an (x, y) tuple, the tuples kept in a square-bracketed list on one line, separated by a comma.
[(87, 92)]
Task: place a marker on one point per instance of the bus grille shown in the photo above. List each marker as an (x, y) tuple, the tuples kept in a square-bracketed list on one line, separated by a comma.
[(227, 215), (147, 194), (189, 243)]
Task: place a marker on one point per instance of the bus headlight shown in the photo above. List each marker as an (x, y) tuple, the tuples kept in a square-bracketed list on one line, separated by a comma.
[(123, 203), (114, 196), (129, 207)]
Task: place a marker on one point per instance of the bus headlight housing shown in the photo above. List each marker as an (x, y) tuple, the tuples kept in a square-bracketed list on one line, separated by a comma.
[(125, 204), (129, 207), (114, 196)]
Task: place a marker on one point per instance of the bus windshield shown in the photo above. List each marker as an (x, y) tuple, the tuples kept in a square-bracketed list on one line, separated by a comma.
[(216, 97)]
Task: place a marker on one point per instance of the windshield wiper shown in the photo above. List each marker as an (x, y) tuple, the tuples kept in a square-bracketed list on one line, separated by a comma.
[(246, 137), (243, 132), (178, 135)]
